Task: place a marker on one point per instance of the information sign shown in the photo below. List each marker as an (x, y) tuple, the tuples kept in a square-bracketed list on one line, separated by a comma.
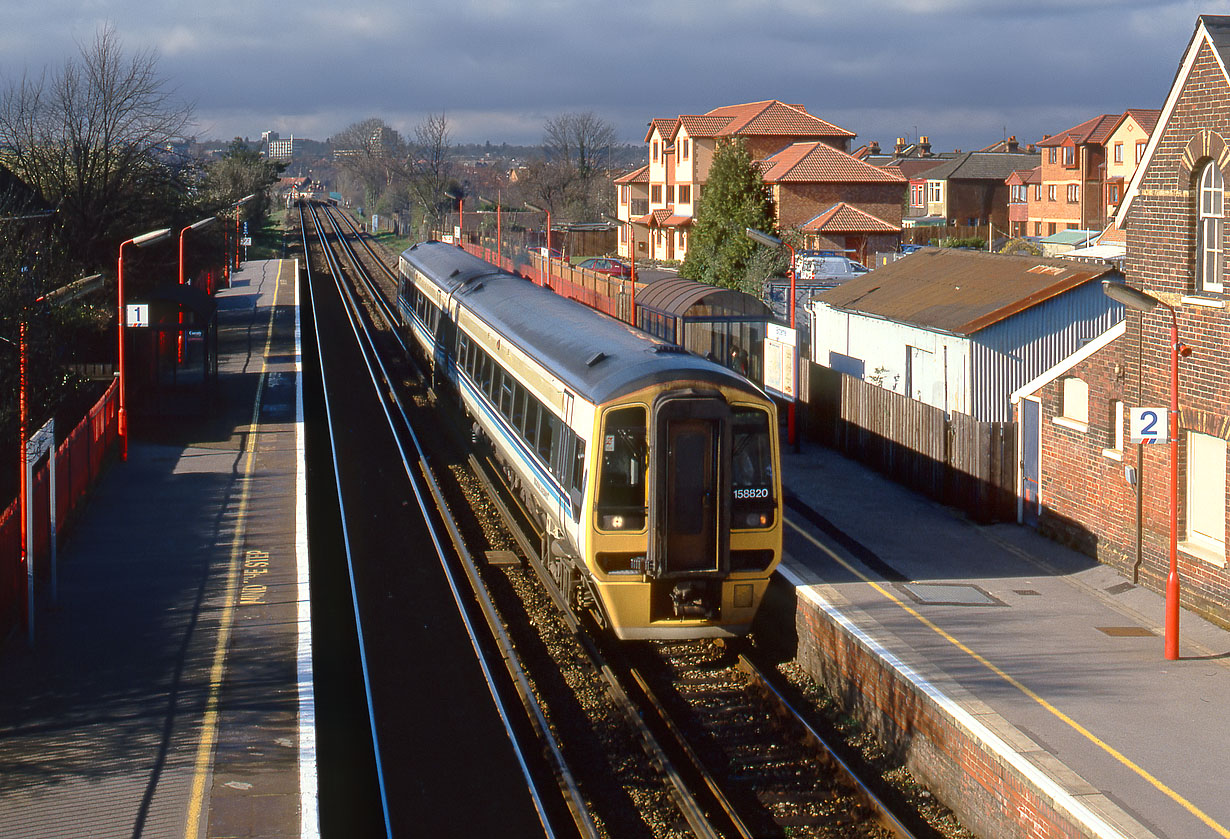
[(780, 361), (245, 241), (1148, 425), (138, 314)]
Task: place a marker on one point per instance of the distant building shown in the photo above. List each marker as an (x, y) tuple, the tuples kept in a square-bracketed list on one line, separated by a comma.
[(281, 149)]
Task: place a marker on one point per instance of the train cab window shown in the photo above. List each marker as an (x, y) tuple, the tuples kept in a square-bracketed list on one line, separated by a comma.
[(578, 475), (621, 483), (751, 468)]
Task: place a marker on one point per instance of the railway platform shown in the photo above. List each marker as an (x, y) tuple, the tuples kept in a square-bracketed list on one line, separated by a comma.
[(167, 690), (1024, 683)]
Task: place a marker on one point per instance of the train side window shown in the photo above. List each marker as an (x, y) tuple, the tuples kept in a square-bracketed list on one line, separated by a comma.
[(506, 393), (546, 435), (518, 409), (463, 349), (621, 482), (557, 449), (488, 375), (531, 421)]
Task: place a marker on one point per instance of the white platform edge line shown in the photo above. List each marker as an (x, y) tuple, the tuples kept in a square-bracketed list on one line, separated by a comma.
[(309, 808), (1062, 799)]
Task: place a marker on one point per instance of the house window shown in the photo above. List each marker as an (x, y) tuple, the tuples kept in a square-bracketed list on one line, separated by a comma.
[(1073, 193), (1112, 194), (623, 194), (1075, 407), (1037, 228), (935, 192), (1140, 150), (1209, 229), (1069, 156), (1050, 192), (1052, 155), (685, 193), (655, 151), (1118, 152), (1206, 492), (686, 148), (1050, 228), (655, 194), (1037, 192), (916, 195)]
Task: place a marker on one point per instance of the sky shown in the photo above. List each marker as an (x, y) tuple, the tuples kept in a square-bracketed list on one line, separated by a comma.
[(964, 73)]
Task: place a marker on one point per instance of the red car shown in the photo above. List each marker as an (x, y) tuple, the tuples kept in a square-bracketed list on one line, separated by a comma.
[(608, 266)]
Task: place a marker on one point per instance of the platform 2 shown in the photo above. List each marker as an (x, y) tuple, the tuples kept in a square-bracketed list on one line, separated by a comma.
[(1024, 683), (167, 691)]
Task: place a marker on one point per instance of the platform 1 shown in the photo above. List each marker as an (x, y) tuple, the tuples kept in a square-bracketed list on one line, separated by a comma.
[(167, 690), (1023, 682)]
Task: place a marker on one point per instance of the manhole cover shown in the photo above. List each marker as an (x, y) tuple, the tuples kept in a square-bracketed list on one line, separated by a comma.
[(1026, 592), (1126, 631), (948, 594)]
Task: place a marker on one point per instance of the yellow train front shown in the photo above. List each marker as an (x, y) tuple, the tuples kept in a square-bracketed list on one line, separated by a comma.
[(652, 472)]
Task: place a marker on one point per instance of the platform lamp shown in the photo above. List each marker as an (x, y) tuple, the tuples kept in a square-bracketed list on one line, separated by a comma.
[(774, 242), (205, 222), (548, 212), (237, 205), (1136, 299), (144, 240)]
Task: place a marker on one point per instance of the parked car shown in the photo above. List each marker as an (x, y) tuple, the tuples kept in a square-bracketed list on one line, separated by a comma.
[(606, 265), (828, 268)]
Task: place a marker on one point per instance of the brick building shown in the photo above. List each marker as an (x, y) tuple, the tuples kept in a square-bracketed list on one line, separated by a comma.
[(1094, 488)]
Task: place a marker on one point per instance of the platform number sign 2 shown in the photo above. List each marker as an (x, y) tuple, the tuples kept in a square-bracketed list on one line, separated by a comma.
[(1148, 425)]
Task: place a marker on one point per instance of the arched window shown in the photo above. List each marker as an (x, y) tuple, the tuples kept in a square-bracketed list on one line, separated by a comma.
[(1209, 229)]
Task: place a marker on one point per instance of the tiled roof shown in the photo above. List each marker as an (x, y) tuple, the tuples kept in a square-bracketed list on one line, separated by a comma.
[(959, 292), (703, 126), (982, 166), (636, 176), (1146, 118), (842, 218), (818, 162), (774, 117), (665, 127), (1094, 130)]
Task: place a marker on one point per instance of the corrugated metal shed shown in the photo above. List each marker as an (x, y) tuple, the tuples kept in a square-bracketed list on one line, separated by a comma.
[(957, 291), (676, 296)]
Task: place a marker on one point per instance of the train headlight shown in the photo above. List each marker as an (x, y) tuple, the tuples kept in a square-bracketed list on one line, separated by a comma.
[(622, 521), (760, 518)]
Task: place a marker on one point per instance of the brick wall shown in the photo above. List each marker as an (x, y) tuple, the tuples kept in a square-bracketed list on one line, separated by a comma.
[(1087, 500), (798, 203)]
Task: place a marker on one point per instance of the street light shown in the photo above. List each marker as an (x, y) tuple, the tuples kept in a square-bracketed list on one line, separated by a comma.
[(548, 212), (1136, 299), (144, 240), (774, 242)]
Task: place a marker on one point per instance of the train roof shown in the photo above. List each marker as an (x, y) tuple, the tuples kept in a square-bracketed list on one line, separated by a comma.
[(595, 355)]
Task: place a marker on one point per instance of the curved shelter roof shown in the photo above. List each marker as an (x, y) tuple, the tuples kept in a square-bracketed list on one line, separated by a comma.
[(677, 296)]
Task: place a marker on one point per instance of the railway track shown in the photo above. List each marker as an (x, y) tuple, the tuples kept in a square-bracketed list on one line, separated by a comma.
[(736, 759)]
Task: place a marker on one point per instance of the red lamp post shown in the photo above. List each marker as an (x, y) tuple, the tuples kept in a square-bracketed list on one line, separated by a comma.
[(1136, 299), (548, 212), (205, 222), (141, 241), (773, 242)]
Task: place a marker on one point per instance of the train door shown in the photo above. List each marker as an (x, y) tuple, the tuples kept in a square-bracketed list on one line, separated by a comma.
[(445, 349), (689, 530)]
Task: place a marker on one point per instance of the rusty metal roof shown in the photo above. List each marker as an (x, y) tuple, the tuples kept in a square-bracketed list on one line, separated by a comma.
[(957, 291)]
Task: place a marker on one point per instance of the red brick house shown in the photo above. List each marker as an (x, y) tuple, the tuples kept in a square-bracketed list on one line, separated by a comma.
[(1086, 482)]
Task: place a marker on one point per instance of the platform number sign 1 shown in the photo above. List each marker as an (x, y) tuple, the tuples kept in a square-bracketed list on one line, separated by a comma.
[(1148, 425)]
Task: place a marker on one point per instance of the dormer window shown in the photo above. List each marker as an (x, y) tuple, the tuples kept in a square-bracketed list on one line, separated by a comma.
[(1211, 213), (1069, 156)]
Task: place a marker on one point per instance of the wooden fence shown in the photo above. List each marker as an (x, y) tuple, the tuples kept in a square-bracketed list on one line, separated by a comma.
[(952, 458)]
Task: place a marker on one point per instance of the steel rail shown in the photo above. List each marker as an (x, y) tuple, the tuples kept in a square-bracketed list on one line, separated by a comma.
[(382, 380)]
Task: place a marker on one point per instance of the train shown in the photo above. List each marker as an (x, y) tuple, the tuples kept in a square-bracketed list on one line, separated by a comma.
[(653, 473)]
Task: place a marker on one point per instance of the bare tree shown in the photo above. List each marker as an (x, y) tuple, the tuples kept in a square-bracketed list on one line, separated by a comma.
[(431, 169), (88, 138), (572, 179), (374, 153), (578, 140)]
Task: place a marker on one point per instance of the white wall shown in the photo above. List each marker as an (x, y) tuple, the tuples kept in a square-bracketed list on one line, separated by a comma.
[(934, 364)]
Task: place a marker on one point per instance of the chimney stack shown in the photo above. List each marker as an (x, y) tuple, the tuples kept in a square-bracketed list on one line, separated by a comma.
[(900, 148), (924, 146), (873, 147), (1013, 145)]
